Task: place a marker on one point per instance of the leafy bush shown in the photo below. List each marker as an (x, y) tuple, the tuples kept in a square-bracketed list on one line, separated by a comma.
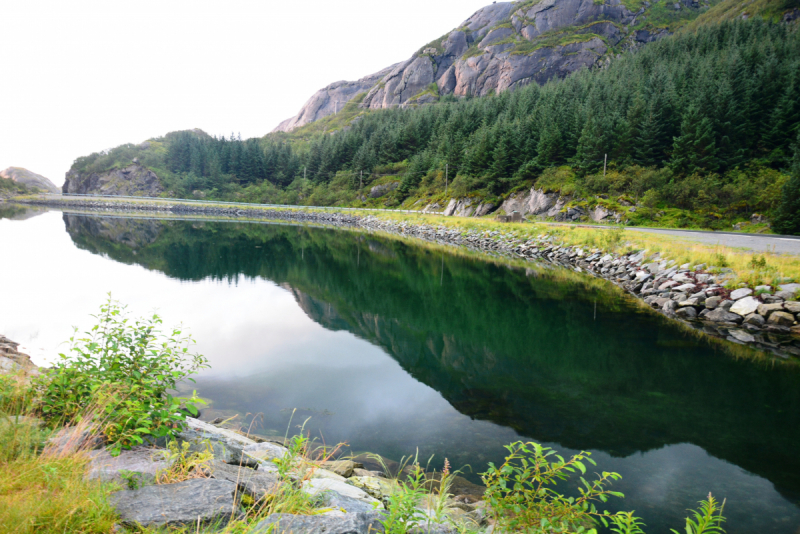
[(120, 376), (520, 493)]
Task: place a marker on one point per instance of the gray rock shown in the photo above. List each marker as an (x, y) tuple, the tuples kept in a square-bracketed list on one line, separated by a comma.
[(204, 500), (742, 336), (380, 190), (755, 319), (741, 293), (766, 309), (793, 307), (264, 453), (318, 486), (687, 313), (333, 499), (745, 306), (256, 483), (225, 444), (358, 523), (781, 319), (789, 287), (140, 462), (726, 305), (713, 302), (669, 306), (785, 295), (719, 315), (342, 467)]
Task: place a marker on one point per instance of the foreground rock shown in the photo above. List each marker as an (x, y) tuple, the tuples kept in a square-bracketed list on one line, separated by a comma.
[(201, 501), (13, 361), (226, 445), (255, 483), (319, 486), (140, 463), (357, 523)]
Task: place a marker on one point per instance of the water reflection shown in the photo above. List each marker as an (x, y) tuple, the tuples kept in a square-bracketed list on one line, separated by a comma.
[(478, 355)]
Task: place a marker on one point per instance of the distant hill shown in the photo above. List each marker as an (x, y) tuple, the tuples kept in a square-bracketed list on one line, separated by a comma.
[(29, 179)]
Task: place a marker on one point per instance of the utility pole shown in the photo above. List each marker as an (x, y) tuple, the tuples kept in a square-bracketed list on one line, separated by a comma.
[(605, 160), (445, 178)]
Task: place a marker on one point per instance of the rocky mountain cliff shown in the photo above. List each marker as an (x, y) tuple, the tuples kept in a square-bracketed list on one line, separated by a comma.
[(134, 179), (507, 45), (30, 179)]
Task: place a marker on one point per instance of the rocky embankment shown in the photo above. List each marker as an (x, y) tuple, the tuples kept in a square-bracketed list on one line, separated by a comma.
[(11, 360), (764, 317)]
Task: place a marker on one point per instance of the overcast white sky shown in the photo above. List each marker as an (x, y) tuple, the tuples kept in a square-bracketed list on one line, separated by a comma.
[(83, 76)]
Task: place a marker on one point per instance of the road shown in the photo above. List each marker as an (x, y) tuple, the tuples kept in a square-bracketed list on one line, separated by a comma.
[(754, 242)]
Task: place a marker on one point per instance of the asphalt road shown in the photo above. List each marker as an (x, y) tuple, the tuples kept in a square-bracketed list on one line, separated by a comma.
[(754, 242)]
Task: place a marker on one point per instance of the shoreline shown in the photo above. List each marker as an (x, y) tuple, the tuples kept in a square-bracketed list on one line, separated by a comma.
[(697, 295)]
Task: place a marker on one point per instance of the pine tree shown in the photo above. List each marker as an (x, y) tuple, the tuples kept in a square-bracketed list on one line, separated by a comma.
[(787, 220)]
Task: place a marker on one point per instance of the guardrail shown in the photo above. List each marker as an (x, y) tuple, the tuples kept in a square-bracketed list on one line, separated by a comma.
[(224, 203)]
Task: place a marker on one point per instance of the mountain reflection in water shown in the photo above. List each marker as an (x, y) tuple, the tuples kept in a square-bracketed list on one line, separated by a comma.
[(516, 354)]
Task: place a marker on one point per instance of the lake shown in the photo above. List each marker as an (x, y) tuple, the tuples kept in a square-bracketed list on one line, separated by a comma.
[(398, 348)]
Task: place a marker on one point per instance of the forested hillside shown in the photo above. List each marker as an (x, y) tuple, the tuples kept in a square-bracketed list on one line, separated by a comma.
[(701, 122)]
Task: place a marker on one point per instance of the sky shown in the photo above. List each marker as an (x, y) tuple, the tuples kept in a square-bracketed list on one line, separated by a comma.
[(85, 76)]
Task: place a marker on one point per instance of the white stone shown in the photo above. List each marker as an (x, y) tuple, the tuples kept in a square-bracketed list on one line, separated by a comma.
[(741, 293), (745, 306)]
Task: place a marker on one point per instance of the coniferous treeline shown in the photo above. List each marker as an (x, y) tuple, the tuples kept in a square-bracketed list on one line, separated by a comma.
[(704, 102)]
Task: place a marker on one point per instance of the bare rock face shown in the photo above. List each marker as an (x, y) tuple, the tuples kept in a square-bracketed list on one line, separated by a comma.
[(30, 179), (502, 46), (330, 99), (133, 180)]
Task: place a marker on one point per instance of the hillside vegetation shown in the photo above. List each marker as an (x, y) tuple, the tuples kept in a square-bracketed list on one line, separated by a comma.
[(698, 129)]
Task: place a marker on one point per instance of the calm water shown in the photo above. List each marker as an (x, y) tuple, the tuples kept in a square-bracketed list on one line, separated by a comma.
[(395, 348)]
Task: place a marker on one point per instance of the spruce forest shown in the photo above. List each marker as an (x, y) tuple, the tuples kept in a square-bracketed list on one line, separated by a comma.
[(699, 129)]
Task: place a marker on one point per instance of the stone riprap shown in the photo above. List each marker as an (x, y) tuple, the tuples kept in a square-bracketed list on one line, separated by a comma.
[(692, 294)]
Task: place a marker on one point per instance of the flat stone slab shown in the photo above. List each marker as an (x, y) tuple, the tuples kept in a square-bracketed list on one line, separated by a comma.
[(256, 483), (317, 486), (741, 293), (721, 316), (207, 500), (142, 462), (358, 523), (745, 306), (264, 453), (225, 444), (349, 505)]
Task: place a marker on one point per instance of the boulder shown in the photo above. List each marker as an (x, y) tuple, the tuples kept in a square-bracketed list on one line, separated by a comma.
[(256, 483), (755, 320), (721, 316), (356, 523), (317, 486), (713, 302), (792, 307), (745, 306), (742, 336), (792, 288), (263, 453), (349, 505), (687, 313), (766, 309), (203, 501), (140, 462), (781, 319), (342, 467), (741, 293), (226, 444), (324, 473), (380, 190), (380, 488), (366, 473)]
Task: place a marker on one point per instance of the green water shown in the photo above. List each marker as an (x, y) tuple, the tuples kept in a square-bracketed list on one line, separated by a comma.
[(394, 348)]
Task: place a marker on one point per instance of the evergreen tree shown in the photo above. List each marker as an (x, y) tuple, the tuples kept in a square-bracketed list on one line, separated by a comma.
[(787, 220)]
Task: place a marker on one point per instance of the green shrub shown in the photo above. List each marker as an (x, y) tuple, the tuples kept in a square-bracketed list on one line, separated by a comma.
[(120, 377)]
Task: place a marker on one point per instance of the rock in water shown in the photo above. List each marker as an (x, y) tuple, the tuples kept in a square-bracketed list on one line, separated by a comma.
[(204, 500), (358, 523)]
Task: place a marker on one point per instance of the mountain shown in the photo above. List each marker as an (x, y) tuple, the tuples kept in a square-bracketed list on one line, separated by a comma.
[(507, 45), (30, 179)]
